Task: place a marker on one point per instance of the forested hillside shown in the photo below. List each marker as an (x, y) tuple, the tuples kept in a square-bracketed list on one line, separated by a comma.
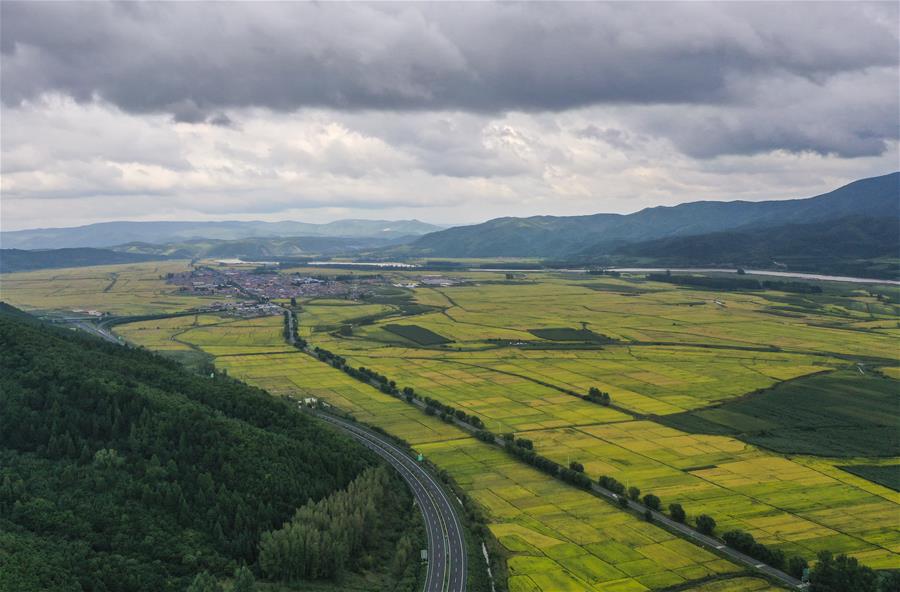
[(121, 471), (569, 236), (853, 246), (108, 234), (12, 260)]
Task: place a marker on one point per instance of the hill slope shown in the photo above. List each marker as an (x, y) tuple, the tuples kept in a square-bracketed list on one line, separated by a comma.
[(121, 471), (20, 260), (845, 245), (551, 236), (257, 249), (108, 234)]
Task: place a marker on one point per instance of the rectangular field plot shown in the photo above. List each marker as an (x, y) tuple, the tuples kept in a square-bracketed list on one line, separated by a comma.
[(325, 315), (239, 336), (416, 334), (663, 315), (561, 538), (739, 584), (300, 375), (887, 475), (843, 413)]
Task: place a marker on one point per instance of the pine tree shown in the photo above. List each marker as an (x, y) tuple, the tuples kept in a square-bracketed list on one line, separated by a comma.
[(243, 580), (204, 582)]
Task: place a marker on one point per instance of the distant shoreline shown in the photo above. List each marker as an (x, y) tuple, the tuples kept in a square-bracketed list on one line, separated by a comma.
[(786, 274)]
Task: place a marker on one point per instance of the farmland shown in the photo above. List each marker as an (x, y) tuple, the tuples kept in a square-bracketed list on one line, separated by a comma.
[(887, 475), (679, 352), (860, 413), (558, 538), (133, 289), (417, 334), (705, 389)]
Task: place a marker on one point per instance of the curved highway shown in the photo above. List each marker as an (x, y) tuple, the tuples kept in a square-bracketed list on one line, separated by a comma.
[(446, 546)]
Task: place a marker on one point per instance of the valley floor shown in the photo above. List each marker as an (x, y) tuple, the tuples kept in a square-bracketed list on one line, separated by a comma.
[(690, 374)]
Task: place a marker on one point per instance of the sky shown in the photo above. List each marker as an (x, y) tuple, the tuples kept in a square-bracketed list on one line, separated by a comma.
[(449, 113)]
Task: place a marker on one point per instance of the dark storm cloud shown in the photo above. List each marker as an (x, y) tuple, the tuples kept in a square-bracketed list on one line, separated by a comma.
[(194, 60)]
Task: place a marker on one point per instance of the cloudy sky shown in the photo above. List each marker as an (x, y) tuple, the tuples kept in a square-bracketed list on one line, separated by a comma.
[(449, 112)]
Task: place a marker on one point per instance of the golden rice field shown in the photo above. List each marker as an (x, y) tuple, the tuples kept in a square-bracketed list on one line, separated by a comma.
[(497, 311), (162, 334), (560, 538), (739, 584), (215, 335), (790, 503), (643, 379), (324, 315), (132, 289), (796, 506)]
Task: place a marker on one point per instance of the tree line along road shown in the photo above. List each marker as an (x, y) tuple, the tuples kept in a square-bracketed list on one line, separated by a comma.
[(446, 546)]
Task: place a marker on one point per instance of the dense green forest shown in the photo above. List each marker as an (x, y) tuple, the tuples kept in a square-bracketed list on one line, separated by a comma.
[(122, 471), (853, 245), (346, 528)]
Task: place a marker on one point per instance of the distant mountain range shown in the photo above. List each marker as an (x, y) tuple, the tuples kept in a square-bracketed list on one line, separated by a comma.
[(602, 234), (109, 234), (248, 249), (855, 246), (852, 230), (12, 260), (260, 249)]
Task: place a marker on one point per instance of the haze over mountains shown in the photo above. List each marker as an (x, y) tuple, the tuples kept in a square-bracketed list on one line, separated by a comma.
[(558, 237), (110, 234), (853, 229)]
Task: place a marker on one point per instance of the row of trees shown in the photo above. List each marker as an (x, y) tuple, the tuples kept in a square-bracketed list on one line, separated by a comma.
[(830, 574), (595, 395), (326, 537), (446, 412), (290, 329), (843, 573), (736, 539)]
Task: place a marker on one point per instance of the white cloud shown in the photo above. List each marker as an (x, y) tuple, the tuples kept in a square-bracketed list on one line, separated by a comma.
[(66, 163)]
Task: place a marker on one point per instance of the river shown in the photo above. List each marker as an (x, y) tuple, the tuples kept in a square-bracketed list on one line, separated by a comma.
[(784, 274)]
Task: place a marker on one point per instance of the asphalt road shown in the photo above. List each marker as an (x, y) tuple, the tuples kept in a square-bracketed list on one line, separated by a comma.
[(446, 547), (93, 329)]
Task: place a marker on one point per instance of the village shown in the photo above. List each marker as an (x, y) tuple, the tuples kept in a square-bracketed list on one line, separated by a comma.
[(265, 283)]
